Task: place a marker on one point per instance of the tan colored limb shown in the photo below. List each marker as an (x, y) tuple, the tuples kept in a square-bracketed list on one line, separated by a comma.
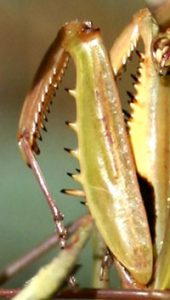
[(125, 44), (57, 215)]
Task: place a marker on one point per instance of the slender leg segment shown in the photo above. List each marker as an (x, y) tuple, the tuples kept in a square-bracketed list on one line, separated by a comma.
[(33, 117), (57, 215)]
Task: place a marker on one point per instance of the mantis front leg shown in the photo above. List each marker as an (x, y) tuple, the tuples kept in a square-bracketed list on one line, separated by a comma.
[(33, 117), (149, 124)]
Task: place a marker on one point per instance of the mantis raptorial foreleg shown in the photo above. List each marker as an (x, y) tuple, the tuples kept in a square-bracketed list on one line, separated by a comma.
[(108, 174), (150, 122), (33, 117)]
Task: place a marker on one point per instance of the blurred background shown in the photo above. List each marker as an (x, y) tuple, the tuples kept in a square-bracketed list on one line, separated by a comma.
[(27, 28)]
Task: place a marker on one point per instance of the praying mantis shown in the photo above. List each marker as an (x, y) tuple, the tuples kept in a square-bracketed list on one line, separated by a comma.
[(116, 159)]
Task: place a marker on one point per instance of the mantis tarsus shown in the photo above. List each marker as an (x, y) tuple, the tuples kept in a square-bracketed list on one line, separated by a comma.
[(108, 153)]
